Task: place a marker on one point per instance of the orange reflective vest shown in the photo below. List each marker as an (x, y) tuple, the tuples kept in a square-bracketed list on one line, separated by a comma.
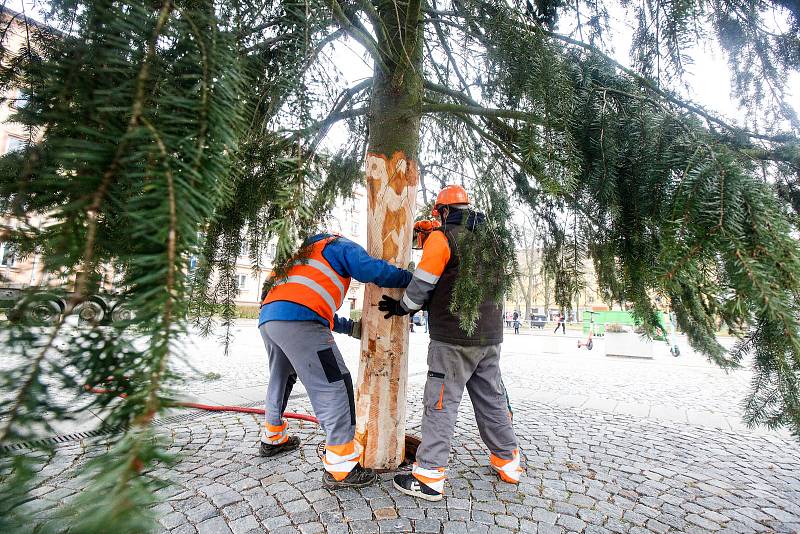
[(313, 284)]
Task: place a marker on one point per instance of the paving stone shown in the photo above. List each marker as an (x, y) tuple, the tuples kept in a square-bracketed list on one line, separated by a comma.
[(215, 525), (365, 527), (455, 527), (427, 525), (186, 528), (571, 523), (275, 522), (244, 524), (702, 522), (201, 512), (172, 520), (546, 528), (545, 516), (394, 525), (385, 513), (507, 521)]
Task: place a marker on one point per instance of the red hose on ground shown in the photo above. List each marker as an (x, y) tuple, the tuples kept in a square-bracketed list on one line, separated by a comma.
[(212, 408)]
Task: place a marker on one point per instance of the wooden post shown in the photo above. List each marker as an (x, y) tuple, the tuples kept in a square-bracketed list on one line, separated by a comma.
[(383, 369)]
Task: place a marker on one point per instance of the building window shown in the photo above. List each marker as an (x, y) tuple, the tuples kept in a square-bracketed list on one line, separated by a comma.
[(241, 282), (14, 144), (243, 250), (272, 251), (20, 99), (6, 256), (192, 263)]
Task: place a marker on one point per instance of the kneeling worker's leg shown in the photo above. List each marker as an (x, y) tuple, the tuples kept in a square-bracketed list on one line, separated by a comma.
[(492, 415), (320, 367), (274, 436)]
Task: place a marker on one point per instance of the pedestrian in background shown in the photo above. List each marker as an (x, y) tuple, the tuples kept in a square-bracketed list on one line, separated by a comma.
[(515, 318), (560, 323)]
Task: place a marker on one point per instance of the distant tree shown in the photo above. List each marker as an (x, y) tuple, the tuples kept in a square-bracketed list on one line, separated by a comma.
[(175, 128)]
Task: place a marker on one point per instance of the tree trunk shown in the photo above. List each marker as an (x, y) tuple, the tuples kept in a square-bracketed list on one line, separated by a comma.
[(392, 176)]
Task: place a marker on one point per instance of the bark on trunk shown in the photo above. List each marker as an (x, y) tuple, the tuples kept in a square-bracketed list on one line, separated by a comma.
[(392, 176)]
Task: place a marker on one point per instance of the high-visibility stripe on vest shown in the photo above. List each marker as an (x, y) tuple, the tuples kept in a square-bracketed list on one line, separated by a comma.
[(313, 284)]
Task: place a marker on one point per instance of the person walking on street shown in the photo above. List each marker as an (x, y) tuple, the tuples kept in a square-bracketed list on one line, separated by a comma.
[(456, 359), (515, 318), (560, 324), (425, 318), (296, 319)]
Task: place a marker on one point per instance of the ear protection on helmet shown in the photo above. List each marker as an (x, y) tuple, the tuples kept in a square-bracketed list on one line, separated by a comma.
[(422, 229)]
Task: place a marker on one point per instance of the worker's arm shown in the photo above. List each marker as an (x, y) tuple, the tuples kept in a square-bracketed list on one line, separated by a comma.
[(342, 325), (351, 260), (435, 255)]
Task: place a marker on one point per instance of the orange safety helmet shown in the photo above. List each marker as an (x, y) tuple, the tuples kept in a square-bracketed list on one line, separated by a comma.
[(451, 194), (422, 229)]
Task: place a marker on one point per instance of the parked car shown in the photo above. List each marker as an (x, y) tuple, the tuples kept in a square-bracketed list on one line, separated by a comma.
[(538, 321)]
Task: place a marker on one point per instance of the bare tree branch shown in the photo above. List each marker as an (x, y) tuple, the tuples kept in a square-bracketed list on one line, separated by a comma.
[(359, 35)]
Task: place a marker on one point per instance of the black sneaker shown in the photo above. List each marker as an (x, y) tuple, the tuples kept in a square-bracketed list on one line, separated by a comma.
[(408, 484), (274, 450), (359, 477)]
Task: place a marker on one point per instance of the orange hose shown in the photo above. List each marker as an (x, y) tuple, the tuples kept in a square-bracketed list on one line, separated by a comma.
[(212, 408)]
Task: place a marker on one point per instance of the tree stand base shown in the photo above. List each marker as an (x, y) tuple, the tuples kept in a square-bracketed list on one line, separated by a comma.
[(412, 443)]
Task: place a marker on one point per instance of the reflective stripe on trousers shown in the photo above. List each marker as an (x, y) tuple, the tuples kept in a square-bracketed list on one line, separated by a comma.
[(433, 478), (275, 434), (339, 460), (509, 470)]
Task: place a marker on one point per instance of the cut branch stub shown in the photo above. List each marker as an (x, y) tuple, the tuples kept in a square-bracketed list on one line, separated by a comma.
[(382, 372)]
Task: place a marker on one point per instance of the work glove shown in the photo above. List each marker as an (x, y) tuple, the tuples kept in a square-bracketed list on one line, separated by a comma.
[(391, 307), (356, 331)]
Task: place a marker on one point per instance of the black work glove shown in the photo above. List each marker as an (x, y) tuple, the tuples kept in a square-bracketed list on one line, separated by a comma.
[(356, 331), (391, 307)]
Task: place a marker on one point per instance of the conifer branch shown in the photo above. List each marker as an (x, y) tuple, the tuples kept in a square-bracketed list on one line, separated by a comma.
[(648, 84), (359, 35), (442, 107), (91, 230)]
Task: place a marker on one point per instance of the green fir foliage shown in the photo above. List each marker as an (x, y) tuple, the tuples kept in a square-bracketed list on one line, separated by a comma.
[(172, 130)]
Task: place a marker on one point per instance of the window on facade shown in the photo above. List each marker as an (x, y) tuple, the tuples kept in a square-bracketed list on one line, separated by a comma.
[(6, 256), (243, 250), (192, 263), (14, 144), (241, 282), (20, 99), (272, 251)]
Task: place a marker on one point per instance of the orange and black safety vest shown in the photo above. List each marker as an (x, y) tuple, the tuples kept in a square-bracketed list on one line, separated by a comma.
[(313, 284)]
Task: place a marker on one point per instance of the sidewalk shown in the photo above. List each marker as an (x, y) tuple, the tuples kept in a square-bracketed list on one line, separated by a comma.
[(587, 471)]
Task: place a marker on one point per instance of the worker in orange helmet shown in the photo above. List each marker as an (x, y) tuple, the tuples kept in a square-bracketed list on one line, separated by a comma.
[(456, 359)]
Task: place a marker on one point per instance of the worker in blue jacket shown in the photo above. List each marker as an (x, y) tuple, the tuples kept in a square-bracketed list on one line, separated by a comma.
[(297, 317)]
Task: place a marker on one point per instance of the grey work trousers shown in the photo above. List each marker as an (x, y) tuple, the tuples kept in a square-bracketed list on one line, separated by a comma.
[(307, 350), (450, 368)]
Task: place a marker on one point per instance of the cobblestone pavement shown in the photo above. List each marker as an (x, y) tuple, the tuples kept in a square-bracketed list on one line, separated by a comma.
[(587, 472), (611, 446)]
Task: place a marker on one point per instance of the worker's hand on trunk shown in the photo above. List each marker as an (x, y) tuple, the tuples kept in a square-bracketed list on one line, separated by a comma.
[(356, 331), (391, 307)]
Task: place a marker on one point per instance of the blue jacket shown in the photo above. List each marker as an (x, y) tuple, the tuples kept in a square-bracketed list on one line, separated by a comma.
[(349, 260)]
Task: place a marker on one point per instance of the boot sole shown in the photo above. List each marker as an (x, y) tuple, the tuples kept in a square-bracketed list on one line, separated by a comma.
[(335, 484), (277, 452), (419, 494)]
